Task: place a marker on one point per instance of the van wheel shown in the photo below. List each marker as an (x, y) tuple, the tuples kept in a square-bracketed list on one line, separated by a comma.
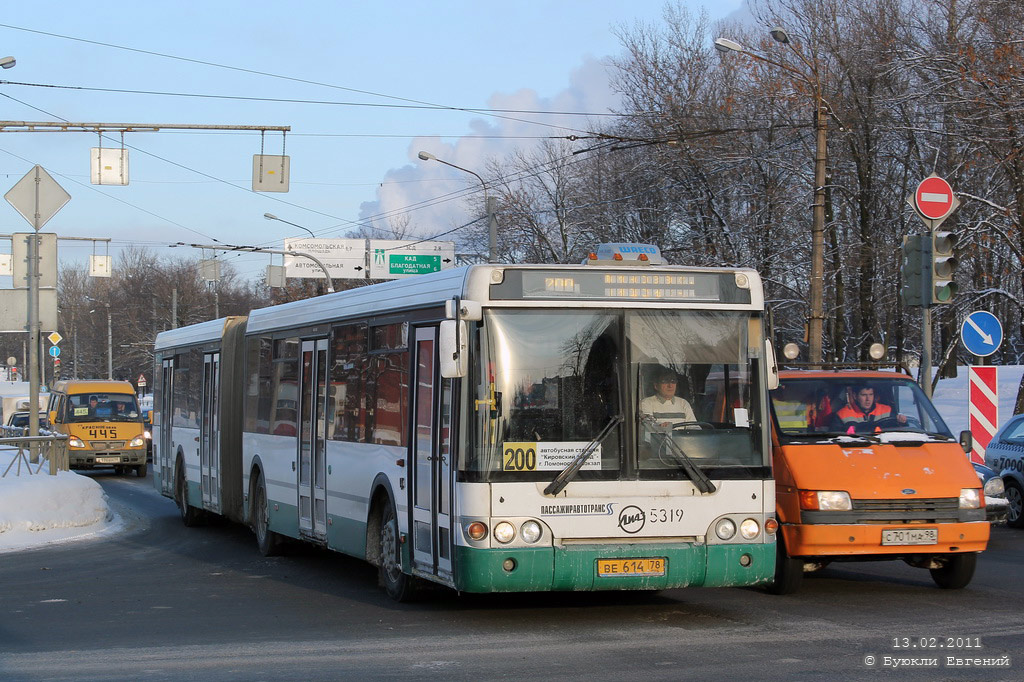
[(398, 585), (957, 571), (267, 540), (789, 571), (141, 471), (118, 470), (1015, 500), (190, 516)]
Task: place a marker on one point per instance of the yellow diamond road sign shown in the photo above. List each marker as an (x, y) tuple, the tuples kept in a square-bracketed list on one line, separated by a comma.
[(55, 338)]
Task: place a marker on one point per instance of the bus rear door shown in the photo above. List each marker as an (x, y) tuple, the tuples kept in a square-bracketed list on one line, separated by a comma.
[(312, 443)]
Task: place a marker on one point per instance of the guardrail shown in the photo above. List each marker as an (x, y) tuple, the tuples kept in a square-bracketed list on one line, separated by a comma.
[(35, 452)]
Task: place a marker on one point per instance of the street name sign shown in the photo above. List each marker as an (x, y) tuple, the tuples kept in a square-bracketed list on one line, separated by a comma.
[(982, 333), (343, 258), (398, 259)]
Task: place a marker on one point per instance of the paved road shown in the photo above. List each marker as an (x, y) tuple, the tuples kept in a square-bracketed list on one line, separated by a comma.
[(163, 602)]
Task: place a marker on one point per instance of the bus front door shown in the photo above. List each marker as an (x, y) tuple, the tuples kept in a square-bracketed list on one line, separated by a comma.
[(312, 455), (162, 429), (209, 434), (431, 460)]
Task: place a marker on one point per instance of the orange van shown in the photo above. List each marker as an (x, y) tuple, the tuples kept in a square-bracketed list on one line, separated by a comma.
[(865, 470)]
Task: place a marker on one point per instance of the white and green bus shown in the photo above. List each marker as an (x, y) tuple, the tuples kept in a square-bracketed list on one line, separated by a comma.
[(490, 428)]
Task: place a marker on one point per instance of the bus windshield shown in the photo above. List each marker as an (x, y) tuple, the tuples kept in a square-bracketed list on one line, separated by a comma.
[(846, 405), (683, 382), (92, 407)]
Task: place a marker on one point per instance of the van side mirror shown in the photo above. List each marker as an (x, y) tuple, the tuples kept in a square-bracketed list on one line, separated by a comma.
[(453, 346), (967, 441)]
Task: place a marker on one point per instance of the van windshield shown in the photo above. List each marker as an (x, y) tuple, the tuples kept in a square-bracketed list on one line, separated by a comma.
[(105, 407), (835, 406)]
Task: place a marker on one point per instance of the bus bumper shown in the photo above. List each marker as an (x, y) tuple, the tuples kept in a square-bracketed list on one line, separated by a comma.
[(576, 567)]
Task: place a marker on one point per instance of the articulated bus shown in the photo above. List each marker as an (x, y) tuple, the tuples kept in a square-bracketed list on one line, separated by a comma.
[(493, 428)]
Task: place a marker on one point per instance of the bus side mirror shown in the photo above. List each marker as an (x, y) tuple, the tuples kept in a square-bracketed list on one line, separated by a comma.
[(771, 365), (452, 346), (967, 441)]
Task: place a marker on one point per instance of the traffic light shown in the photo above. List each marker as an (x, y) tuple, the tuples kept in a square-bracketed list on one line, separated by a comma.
[(942, 287), (916, 269)]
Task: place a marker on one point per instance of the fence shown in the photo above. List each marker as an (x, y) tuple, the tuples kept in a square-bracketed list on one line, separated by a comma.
[(35, 452)]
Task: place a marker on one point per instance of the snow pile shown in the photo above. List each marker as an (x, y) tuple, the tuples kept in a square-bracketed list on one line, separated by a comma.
[(39, 508)]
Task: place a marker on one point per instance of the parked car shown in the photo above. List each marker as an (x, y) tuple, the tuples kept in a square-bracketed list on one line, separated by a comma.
[(996, 506), (1005, 456)]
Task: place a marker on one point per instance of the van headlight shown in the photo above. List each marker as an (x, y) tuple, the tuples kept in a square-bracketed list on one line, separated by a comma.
[(137, 442), (825, 500), (75, 442), (970, 498)]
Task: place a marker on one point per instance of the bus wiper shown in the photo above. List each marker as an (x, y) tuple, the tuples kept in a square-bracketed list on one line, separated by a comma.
[(567, 474), (699, 478)]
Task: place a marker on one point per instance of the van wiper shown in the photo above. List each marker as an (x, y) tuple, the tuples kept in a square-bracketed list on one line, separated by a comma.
[(699, 478), (567, 474)]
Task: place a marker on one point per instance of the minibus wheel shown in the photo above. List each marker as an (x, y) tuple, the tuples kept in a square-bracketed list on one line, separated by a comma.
[(957, 571), (789, 572), (398, 585)]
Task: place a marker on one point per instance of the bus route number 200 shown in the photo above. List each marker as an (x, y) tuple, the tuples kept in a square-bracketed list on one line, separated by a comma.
[(519, 457)]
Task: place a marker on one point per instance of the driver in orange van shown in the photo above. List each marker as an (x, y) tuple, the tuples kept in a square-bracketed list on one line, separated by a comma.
[(862, 411)]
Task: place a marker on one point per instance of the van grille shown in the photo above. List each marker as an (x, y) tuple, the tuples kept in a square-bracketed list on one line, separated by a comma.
[(926, 510), (107, 444)]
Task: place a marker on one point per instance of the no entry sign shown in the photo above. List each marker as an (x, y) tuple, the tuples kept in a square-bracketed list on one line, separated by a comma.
[(934, 198)]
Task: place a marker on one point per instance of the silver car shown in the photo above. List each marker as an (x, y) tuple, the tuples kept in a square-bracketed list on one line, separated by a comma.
[(1005, 455)]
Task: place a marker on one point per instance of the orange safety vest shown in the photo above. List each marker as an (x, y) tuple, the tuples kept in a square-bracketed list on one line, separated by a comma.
[(855, 415)]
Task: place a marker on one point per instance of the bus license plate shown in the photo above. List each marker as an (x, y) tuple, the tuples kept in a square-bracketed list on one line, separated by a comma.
[(108, 460), (607, 568), (910, 536)]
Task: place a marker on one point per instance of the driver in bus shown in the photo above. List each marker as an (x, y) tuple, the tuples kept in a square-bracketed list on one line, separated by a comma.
[(665, 407), (862, 411)]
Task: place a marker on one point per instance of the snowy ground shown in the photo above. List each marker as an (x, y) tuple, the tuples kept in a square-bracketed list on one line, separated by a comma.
[(40, 509)]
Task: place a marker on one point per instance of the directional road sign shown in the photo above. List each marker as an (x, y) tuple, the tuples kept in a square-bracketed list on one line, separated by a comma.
[(398, 259), (982, 333), (54, 351)]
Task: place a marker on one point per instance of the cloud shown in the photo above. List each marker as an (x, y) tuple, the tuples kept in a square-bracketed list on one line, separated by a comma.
[(434, 198)]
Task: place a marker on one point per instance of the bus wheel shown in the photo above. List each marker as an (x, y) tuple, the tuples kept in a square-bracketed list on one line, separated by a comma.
[(267, 540), (956, 572), (140, 471), (789, 572), (398, 585), (190, 516)]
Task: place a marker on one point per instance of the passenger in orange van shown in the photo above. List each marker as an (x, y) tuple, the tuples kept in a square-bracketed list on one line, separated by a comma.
[(862, 412)]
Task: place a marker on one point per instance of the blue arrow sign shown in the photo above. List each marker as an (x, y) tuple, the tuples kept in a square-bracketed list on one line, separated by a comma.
[(54, 351), (981, 333)]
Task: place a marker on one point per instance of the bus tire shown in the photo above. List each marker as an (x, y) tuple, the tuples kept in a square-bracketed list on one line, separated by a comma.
[(190, 516), (398, 585), (141, 471), (268, 542), (789, 571), (956, 572)]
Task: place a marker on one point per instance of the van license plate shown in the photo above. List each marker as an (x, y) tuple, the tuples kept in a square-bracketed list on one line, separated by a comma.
[(910, 536), (108, 460), (607, 568)]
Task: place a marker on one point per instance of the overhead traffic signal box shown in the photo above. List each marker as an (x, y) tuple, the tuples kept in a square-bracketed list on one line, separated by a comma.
[(942, 266)]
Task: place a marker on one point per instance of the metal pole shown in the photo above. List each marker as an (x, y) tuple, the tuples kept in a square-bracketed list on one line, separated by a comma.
[(33, 328), (925, 374), (492, 228), (174, 308), (110, 347), (817, 282)]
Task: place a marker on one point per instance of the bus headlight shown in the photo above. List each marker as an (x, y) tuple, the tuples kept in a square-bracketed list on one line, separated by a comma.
[(504, 532), (74, 442), (137, 442), (749, 529), (530, 531), (725, 529), (970, 498)]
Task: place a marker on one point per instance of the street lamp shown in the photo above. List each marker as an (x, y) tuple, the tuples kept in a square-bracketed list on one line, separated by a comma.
[(271, 216), (492, 223), (7, 62), (110, 339), (815, 324)]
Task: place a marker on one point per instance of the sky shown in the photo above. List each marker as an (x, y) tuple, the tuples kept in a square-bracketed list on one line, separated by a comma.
[(38, 510), (356, 82)]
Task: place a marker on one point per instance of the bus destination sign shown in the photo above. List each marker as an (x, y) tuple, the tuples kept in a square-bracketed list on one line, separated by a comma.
[(591, 284)]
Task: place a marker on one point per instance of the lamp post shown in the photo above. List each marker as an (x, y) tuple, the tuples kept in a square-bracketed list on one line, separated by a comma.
[(110, 339), (492, 223), (816, 321), (330, 283), (271, 216)]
